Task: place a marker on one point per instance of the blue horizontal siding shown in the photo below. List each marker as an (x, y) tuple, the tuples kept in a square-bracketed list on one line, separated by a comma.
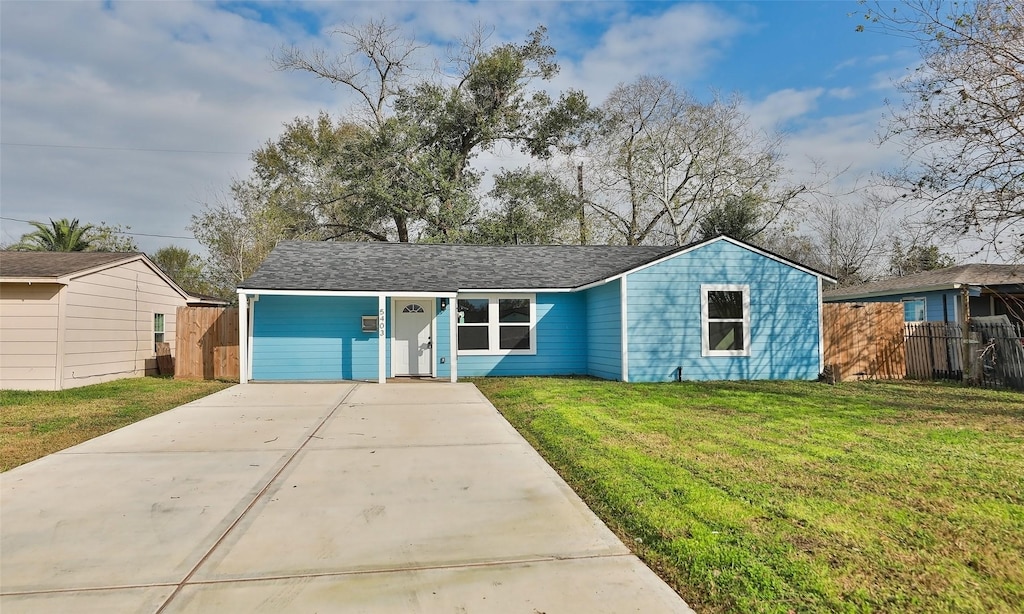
[(313, 338), (932, 303), (443, 340), (604, 331), (561, 343), (664, 317)]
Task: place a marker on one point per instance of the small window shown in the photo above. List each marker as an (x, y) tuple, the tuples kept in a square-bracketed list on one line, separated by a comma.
[(412, 308), (497, 325), (725, 320), (158, 328), (914, 310)]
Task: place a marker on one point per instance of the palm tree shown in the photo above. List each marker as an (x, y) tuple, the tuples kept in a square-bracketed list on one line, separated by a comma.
[(61, 235)]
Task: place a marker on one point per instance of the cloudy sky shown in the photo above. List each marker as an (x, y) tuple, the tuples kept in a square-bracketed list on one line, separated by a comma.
[(136, 113)]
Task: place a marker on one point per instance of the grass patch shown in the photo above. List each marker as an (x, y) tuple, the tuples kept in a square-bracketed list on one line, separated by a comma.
[(796, 496), (36, 423)]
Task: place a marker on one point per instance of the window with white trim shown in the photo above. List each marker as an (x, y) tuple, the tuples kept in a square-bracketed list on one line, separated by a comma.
[(914, 310), (725, 319), (498, 324), (158, 328)]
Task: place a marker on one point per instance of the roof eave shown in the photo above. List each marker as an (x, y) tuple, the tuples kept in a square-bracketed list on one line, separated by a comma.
[(33, 280), (895, 292)]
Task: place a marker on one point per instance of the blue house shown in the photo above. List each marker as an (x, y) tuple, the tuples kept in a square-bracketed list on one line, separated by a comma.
[(942, 294), (714, 310)]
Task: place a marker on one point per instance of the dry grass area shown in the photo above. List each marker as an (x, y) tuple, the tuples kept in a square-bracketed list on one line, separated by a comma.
[(34, 424), (797, 496)]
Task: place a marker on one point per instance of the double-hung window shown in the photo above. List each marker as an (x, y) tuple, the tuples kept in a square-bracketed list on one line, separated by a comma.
[(725, 320), (500, 324), (158, 328)]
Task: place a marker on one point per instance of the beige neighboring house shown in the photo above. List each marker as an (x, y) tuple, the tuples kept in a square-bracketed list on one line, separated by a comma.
[(79, 318)]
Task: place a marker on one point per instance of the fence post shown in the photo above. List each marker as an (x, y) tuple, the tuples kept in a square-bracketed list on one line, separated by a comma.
[(965, 331)]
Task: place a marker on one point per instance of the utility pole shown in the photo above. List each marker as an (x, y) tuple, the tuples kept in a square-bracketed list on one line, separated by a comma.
[(582, 208)]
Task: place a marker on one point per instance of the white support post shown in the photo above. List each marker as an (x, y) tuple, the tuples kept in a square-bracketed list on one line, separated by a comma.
[(453, 337), (821, 330), (243, 338), (625, 328), (382, 373)]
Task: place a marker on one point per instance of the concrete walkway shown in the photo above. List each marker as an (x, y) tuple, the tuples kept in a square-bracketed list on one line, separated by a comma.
[(312, 498)]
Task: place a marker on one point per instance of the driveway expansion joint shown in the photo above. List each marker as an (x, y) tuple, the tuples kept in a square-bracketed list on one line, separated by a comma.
[(255, 499), (408, 568)]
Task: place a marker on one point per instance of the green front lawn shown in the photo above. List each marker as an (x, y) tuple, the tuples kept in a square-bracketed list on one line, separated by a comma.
[(796, 496), (34, 424)]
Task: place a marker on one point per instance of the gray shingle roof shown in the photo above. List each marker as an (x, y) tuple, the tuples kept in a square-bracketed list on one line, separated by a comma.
[(417, 267), (967, 274), (54, 264)]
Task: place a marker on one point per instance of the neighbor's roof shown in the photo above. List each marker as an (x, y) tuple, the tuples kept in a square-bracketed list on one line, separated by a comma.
[(44, 265), (939, 279), (418, 267)]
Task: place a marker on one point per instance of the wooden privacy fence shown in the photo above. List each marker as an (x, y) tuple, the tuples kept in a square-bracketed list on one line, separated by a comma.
[(864, 341), (934, 350), (207, 343), (994, 351)]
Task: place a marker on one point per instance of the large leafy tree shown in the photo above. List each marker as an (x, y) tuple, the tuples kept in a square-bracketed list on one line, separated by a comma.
[(917, 258), (239, 230), (184, 267), (413, 162), (962, 118), (533, 208)]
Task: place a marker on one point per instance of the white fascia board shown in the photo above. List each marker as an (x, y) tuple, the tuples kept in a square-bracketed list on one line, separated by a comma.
[(896, 294), (363, 293), (515, 290), (674, 254), (741, 244), (597, 283)]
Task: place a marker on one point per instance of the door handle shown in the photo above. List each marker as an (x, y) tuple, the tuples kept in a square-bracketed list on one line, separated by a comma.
[(430, 343)]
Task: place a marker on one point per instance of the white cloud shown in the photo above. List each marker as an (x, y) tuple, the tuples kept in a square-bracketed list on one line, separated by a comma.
[(842, 93), (782, 106), (679, 44), (844, 143)]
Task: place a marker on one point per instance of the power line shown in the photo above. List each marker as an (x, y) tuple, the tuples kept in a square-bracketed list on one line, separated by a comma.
[(184, 151), (117, 232)]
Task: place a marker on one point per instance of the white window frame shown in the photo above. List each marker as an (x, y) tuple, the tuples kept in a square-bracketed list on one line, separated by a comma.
[(493, 326), (705, 326), (163, 322), (914, 299)]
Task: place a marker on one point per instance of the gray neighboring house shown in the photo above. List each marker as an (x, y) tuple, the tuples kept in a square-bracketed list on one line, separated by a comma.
[(938, 296), (70, 319)]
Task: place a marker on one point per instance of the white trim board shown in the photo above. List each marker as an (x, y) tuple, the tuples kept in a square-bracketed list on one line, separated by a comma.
[(691, 248), (353, 293), (624, 302)]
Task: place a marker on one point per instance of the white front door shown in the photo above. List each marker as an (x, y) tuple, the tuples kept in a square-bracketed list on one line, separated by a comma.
[(411, 347)]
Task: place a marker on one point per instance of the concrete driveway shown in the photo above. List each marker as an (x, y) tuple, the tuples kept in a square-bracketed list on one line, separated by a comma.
[(312, 498)]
